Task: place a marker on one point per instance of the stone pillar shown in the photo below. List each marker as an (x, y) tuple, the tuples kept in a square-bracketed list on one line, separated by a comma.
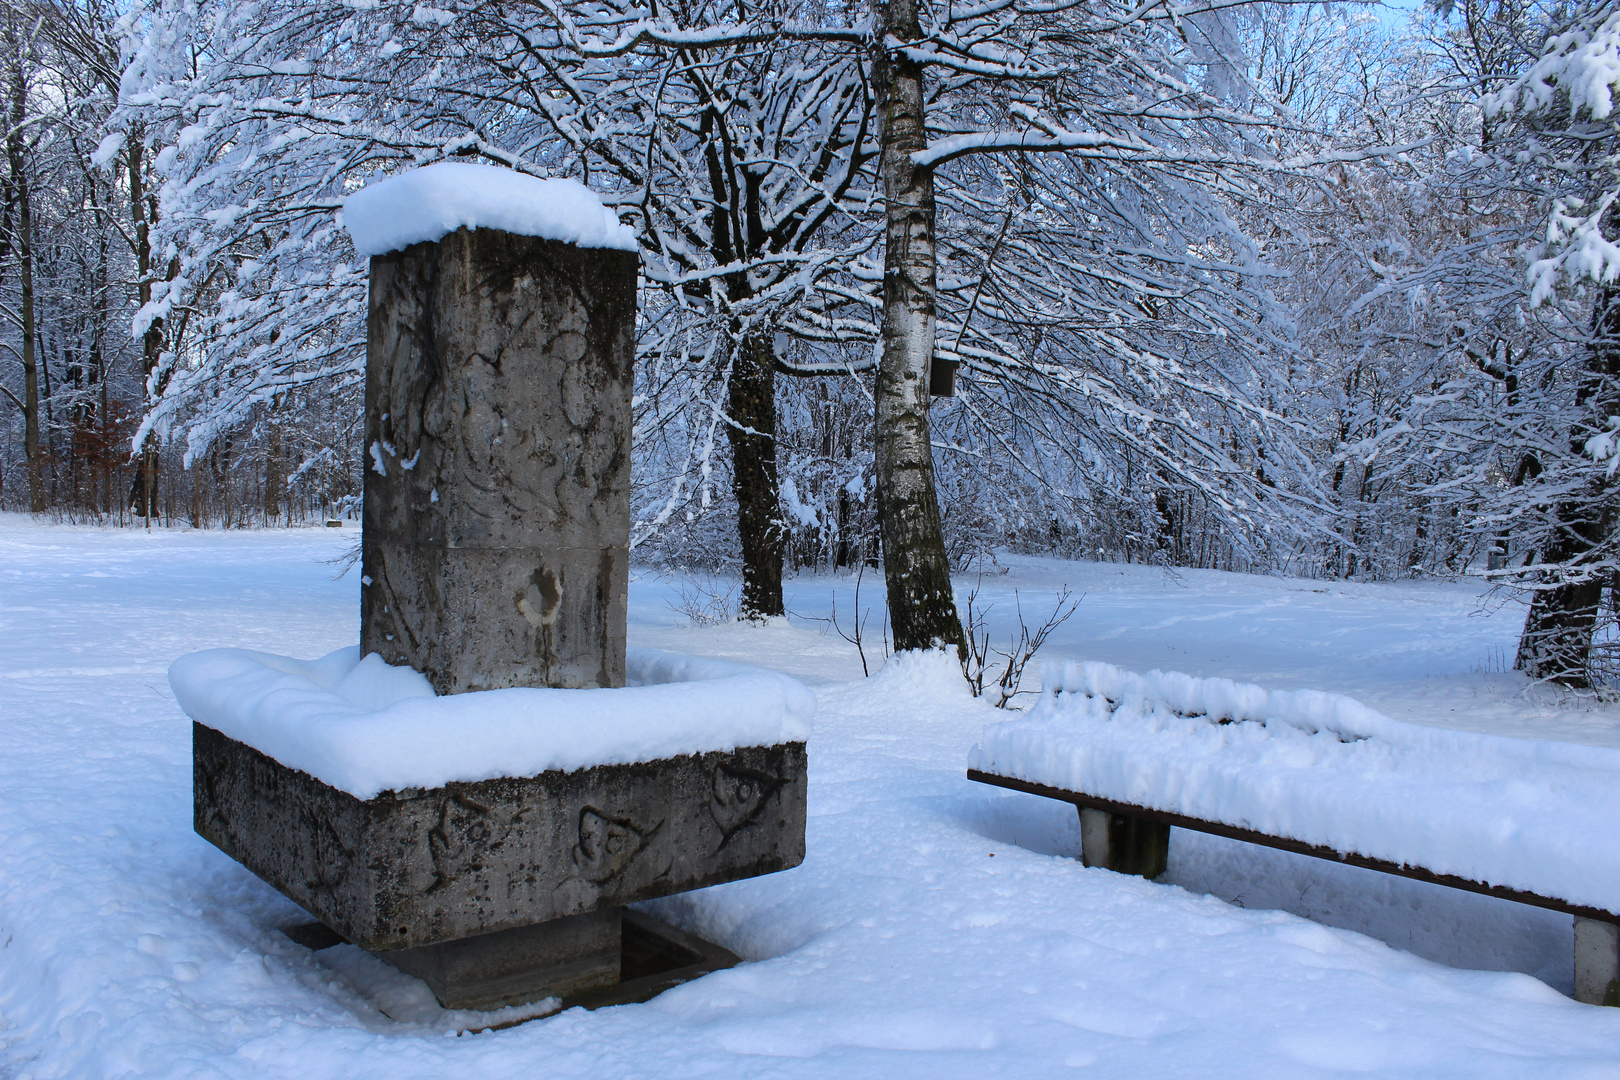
[(1129, 845), (497, 480), (1597, 962)]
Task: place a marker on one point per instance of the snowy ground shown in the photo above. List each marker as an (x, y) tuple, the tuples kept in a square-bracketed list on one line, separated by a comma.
[(937, 927)]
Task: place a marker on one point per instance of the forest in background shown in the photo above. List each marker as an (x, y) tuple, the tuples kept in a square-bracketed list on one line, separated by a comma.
[(1272, 287)]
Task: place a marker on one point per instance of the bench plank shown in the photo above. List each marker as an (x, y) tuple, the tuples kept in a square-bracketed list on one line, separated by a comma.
[(1298, 847)]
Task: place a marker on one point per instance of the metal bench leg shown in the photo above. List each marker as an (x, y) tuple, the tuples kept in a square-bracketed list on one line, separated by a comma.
[(1128, 845), (1597, 962)]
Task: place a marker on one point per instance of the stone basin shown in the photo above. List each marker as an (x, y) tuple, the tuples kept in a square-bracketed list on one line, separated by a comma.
[(412, 868)]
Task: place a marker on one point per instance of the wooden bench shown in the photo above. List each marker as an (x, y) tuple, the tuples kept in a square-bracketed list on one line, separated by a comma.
[(1135, 839)]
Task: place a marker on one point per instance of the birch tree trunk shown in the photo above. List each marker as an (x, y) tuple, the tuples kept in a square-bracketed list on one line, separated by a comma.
[(922, 610)]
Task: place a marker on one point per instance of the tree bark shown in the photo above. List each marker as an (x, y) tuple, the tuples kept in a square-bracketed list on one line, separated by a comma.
[(751, 405), (24, 244), (1557, 640), (222, 481), (751, 390), (143, 494), (273, 477), (922, 610)]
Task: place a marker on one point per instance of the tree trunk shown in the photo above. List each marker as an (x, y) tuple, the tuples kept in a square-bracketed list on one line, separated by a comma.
[(102, 422), (24, 245), (143, 494), (1557, 640), (751, 391), (196, 497), (222, 477), (922, 611), (751, 405), (272, 473)]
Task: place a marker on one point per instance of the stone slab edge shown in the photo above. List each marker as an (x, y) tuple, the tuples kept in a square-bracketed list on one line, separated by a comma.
[(418, 867)]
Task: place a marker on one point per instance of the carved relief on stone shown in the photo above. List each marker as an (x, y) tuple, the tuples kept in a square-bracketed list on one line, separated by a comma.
[(738, 797), (607, 844), (465, 833), (411, 868), (328, 858), (497, 482)]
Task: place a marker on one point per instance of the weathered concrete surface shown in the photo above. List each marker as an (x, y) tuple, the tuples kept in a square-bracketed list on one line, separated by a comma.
[(1597, 962), (497, 512), (1119, 842), (560, 958), (415, 868), (516, 966)]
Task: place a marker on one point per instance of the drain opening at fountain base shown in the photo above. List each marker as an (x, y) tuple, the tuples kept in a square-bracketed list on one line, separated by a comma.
[(653, 957)]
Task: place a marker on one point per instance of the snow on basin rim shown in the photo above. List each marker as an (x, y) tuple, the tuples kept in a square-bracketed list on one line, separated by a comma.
[(1325, 769), (434, 201), (365, 727)]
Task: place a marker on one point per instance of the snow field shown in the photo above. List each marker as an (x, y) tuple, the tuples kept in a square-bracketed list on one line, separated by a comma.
[(937, 927)]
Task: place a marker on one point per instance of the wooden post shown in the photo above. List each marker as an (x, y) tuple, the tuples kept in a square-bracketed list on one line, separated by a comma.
[(1125, 844), (1597, 962)]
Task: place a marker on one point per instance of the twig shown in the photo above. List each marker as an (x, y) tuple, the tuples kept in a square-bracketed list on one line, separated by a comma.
[(1021, 649)]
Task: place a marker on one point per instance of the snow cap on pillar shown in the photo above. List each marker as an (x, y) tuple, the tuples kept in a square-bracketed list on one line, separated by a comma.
[(434, 201)]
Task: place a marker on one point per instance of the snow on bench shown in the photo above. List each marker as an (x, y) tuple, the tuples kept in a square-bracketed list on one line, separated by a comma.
[(365, 727), (1321, 774)]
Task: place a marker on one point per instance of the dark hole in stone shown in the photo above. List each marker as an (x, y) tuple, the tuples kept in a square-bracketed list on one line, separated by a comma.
[(644, 953), (314, 936), (654, 956)]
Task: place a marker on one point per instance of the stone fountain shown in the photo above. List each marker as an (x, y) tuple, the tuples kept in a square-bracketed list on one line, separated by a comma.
[(495, 555)]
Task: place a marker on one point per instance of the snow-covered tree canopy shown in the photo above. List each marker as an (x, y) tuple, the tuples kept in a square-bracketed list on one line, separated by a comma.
[(1100, 286), (1260, 285)]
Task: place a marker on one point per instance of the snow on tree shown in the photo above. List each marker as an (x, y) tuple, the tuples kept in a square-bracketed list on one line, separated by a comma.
[(1563, 135), (1092, 244), (1485, 310)]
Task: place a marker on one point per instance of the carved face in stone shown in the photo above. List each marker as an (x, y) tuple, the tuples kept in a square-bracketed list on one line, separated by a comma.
[(607, 844), (738, 798), (327, 858), (465, 834)]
